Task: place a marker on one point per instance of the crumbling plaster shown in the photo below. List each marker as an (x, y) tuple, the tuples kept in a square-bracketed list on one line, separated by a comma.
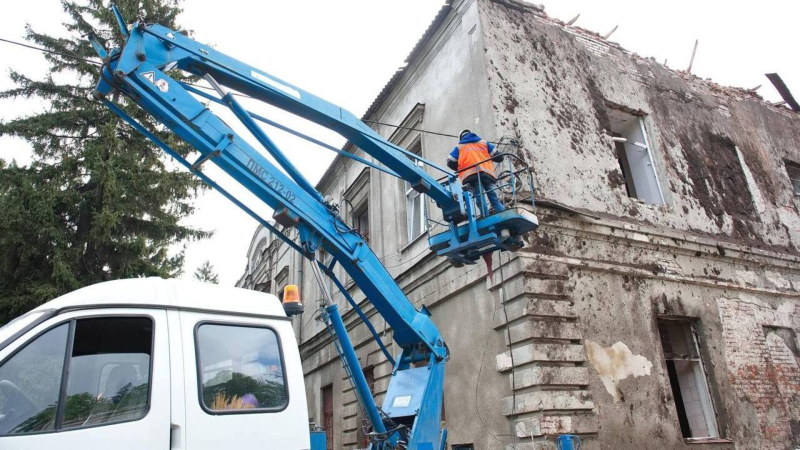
[(549, 85)]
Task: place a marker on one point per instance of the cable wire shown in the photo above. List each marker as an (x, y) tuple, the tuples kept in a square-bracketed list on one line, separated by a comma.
[(410, 129), (496, 437), (52, 52), (99, 64), (503, 299)]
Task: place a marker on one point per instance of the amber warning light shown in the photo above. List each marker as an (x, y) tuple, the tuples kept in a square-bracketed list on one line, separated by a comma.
[(291, 300)]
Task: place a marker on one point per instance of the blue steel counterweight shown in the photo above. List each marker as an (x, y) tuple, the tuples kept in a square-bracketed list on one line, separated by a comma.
[(411, 413)]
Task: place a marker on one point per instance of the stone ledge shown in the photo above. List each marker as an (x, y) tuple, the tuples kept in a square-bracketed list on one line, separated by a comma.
[(543, 329), (548, 401), (534, 307), (521, 284), (350, 437), (350, 424), (552, 425), (549, 376), (543, 268), (350, 411), (587, 443), (541, 352)]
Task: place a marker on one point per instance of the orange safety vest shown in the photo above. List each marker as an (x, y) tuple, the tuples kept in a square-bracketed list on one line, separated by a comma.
[(472, 154)]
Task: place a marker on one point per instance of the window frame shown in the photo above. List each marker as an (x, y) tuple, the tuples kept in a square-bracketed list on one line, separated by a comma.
[(695, 334), (198, 370), (622, 154), (281, 281), (65, 371), (329, 436), (359, 212), (789, 167), (409, 191)]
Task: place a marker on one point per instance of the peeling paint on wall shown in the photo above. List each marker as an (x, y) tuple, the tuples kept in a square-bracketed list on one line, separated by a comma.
[(615, 364)]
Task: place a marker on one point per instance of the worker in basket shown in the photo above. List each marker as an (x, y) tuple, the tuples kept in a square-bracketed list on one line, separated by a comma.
[(471, 158)]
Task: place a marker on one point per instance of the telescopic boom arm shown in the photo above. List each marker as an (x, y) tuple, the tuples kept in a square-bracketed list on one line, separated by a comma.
[(411, 413)]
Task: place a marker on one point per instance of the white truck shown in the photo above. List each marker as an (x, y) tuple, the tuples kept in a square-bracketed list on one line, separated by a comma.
[(153, 364)]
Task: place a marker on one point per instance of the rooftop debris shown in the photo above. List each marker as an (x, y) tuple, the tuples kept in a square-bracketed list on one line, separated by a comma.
[(736, 93)]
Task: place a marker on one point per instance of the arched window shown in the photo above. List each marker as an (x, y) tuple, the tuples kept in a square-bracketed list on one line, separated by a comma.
[(257, 255)]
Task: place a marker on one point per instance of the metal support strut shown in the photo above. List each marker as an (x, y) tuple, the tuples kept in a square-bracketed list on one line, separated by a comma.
[(333, 318)]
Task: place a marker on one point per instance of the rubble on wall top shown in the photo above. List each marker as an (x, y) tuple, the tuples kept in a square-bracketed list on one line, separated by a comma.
[(591, 37), (521, 6)]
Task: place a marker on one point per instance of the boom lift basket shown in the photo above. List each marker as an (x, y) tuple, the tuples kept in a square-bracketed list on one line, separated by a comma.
[(487, 233)]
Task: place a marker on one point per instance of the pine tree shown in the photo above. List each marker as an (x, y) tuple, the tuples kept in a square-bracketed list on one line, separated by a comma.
[(206, 273), (98, 202)]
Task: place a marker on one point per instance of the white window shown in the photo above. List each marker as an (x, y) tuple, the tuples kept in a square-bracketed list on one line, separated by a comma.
[(635, 157), (241, 368), (108, 380), (688, 380), (416, 212), (109, 372), (793, 169)]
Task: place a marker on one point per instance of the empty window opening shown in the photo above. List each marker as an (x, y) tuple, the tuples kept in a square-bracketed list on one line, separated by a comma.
[(416, 215), (361, 220), (462, 447), (356, 197), (635, 157), (323, 256), (281, 280), (264, 287), (327, 414), (793, 169), (688, 379)]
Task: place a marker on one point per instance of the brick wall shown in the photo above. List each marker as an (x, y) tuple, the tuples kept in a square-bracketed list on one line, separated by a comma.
[(761, 367)]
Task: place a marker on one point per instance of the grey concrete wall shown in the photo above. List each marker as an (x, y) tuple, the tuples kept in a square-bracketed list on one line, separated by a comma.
[(452, 57)]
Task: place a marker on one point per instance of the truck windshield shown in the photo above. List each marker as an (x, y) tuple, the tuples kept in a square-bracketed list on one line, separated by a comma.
[(21, 323)]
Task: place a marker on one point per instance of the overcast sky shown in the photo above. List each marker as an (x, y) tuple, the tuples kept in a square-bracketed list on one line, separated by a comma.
[(346, 51)]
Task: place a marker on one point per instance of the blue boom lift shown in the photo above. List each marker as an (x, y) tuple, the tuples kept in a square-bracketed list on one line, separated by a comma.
[(411, 413)]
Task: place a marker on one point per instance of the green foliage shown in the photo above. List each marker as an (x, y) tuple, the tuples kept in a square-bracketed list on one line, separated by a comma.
[(98, 202), (234, 384), (86, 409), (206, 273), (43, 421)]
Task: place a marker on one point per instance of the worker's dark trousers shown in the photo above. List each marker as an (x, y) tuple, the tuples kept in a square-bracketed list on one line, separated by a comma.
[(485, 187)]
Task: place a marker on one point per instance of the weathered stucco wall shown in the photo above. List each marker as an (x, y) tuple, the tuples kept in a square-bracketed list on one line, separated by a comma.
[(579, 305), (722, 251), (550, 84)]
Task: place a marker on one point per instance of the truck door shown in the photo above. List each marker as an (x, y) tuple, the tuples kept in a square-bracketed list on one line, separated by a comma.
[(244, 383), (88, 380)]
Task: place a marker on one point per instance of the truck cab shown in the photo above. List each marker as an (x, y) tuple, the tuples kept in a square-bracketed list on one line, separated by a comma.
[(152, 363)]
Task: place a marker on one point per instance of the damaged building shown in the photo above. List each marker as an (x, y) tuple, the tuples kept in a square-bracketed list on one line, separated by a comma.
[(663, 312)]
